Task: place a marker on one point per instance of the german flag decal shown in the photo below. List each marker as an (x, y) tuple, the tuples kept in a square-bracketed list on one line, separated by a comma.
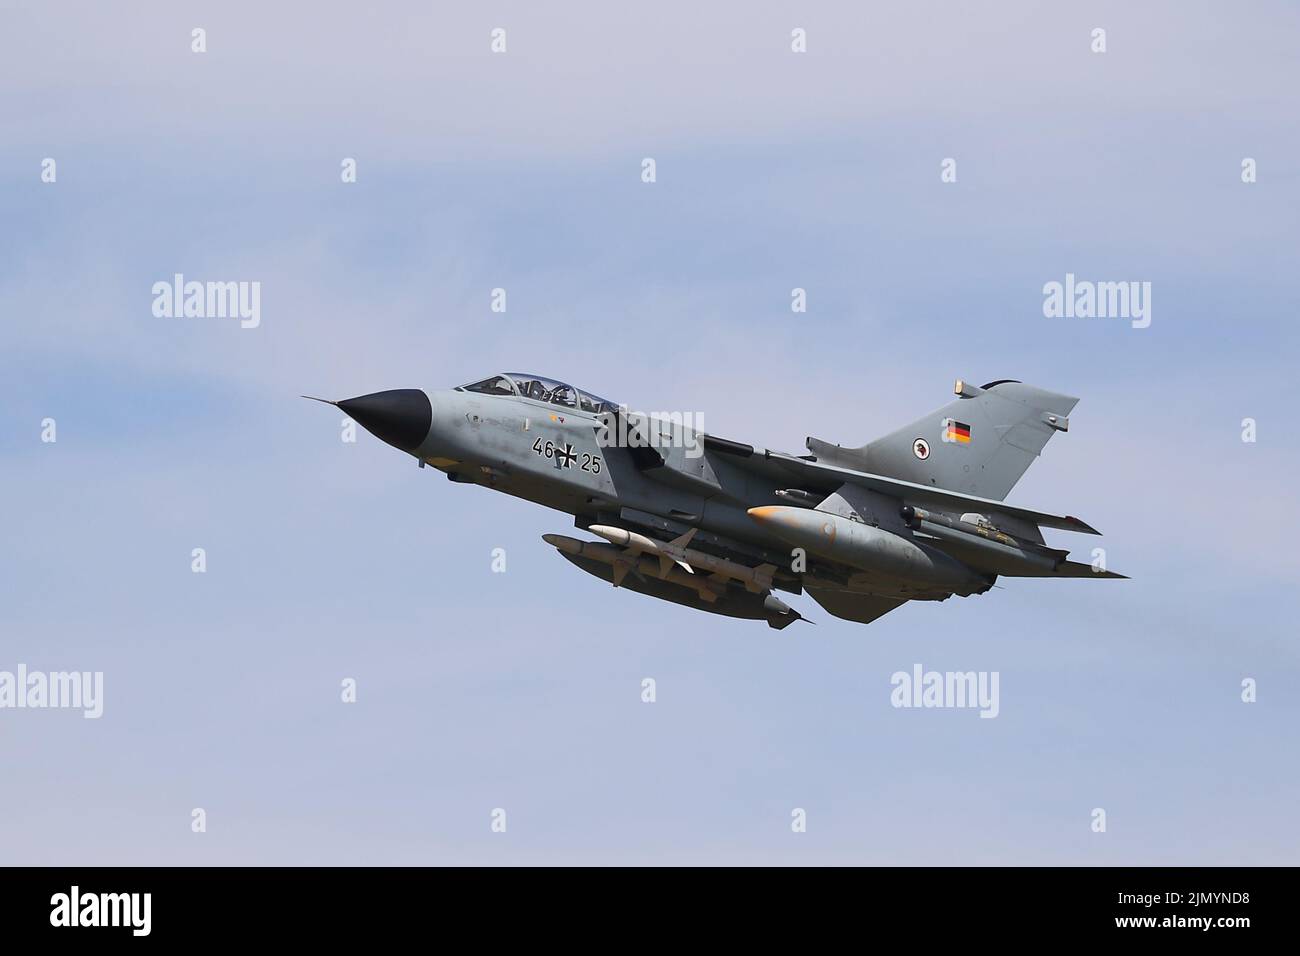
[(957, 431)]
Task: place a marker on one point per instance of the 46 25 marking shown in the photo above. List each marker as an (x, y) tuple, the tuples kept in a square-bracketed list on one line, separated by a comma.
[(566, 456)]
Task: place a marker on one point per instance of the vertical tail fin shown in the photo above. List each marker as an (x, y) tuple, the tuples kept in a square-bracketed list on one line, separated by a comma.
[(979, 444)]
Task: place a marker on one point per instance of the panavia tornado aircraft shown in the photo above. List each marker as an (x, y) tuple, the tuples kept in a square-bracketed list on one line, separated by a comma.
[(718, 525)]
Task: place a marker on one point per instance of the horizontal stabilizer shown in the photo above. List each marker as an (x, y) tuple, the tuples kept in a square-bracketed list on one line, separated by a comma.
[(854, 605), (1077, 569), (911, 492)]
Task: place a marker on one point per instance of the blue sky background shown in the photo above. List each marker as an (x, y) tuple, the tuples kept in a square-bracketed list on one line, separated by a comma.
[(522, 690)]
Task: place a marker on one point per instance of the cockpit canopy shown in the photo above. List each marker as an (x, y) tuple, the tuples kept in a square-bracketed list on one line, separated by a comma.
[(541, 389)]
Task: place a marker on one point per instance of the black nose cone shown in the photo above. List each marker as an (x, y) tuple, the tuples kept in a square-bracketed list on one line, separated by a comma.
[(400, 417)]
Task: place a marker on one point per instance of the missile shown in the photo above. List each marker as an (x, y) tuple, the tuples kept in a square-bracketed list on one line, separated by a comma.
[(800, 497), (756, 580), (997, 550), (869, 548), (604, 561), (623, 562), (564, 543)]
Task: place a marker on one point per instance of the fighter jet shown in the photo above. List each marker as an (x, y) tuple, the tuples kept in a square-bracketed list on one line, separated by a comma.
[(720, 525)]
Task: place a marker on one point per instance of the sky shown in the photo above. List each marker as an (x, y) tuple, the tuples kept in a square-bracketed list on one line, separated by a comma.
[(522, 170)]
